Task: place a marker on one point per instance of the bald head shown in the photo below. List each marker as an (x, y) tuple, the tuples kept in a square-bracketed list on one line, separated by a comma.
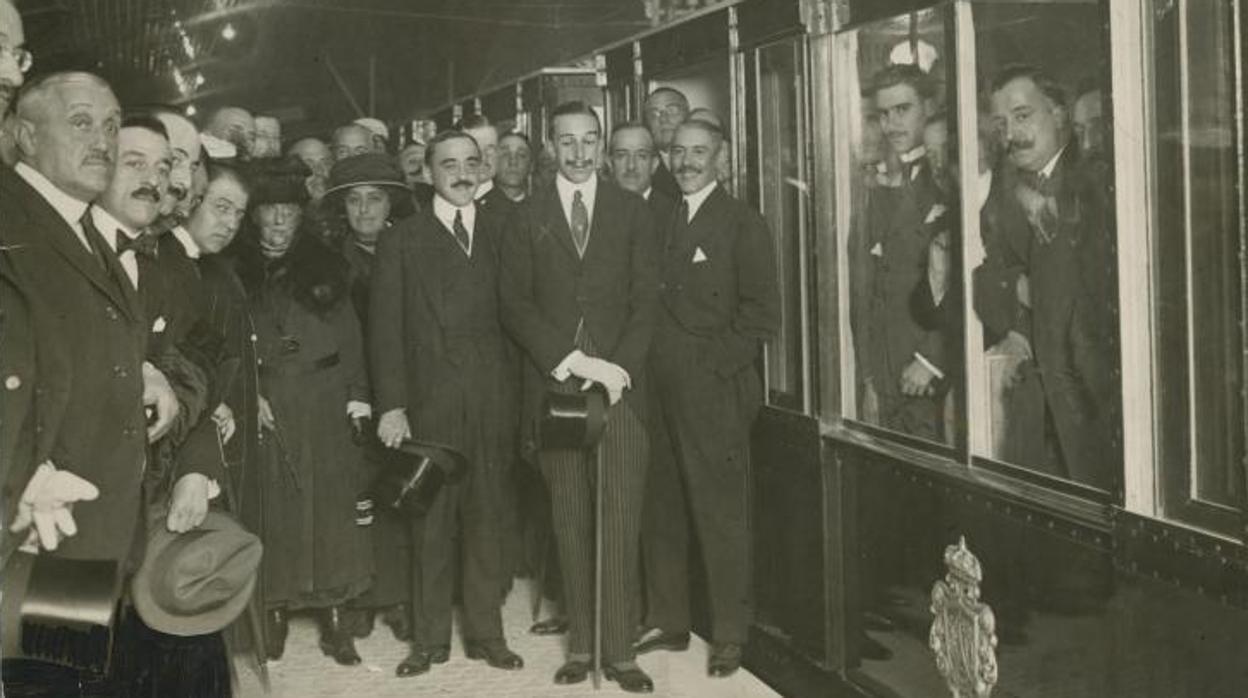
[(235, 125), (66, 128), (352, 139), (12, 39)]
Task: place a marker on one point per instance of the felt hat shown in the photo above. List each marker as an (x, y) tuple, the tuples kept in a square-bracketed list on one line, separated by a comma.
[(414, 474), (376, 169), (197, 582), (278, 181)]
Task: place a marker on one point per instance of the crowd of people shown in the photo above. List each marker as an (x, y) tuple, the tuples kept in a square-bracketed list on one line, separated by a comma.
[(201, 320)]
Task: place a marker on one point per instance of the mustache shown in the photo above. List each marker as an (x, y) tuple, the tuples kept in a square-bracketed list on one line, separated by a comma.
[(1019, 145), (177, 192), (689, 169), (463, 183), (579, 163), (150, 193), (98, 157)]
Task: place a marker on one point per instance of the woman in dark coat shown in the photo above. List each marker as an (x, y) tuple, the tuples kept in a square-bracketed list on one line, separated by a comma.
[(312, 382)]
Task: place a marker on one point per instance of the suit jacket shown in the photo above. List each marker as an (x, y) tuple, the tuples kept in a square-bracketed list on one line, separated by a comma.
[(664, 181), (889, 249), (18, 371), (727, 294), (90, 391), (548, 291), (496, 204), (662, 207), (436, 337)]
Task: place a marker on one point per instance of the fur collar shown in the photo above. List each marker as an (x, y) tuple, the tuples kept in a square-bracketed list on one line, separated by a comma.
[(314, 275)]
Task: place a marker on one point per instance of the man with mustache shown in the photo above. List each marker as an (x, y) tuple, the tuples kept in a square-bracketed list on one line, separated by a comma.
[(1059, 239), (634, 161), (352, 139), (665, 109), (491, 199), (720, 302), (901, 364), (515, 162), (90, 317), (436, 338), (234, 125), (579, 289)]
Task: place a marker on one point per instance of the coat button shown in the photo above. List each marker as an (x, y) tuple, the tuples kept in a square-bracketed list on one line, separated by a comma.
[(111, 312), (120, 371), (12, 382)]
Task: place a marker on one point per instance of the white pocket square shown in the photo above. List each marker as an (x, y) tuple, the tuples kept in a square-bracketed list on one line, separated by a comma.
[(936, 211), (159, 325), (878, 250), (699, 256)]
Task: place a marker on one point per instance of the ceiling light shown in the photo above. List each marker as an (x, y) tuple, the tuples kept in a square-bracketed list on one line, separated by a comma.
[(191, 110), (228, 32)]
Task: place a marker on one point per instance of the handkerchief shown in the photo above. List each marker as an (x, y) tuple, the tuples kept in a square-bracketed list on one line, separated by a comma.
[(159, 325), (936, 211), (878, 250), (699, 256)]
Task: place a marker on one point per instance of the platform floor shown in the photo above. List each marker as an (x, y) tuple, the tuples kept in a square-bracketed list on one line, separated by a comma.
[(305, 673)]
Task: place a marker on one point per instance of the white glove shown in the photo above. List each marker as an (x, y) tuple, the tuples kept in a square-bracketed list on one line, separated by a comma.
[(188, 505), (47, 503), (223, 417), (355, 408), (608, 375)]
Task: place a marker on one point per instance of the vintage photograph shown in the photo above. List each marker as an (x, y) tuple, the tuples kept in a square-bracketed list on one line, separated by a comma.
[(577, 348)]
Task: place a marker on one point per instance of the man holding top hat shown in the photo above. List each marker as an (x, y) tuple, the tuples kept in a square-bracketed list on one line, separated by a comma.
[(579, 293), (435, 337)]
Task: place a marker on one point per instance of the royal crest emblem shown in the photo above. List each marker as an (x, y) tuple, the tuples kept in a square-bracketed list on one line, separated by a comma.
[(963, 636)]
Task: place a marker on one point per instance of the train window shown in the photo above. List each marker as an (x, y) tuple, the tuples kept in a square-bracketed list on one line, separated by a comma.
[(1198, 250), (898, 213), (779, 183), (1043, 357)]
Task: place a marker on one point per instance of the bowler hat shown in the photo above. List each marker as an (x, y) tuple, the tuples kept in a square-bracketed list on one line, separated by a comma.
[(414, 475), (573, 420), (197, 582), (376, 169)]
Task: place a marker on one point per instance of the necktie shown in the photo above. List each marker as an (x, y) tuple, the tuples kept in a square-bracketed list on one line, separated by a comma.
[(680, 223), (461, 233), (144, 244), (579, 223), (94, 239)]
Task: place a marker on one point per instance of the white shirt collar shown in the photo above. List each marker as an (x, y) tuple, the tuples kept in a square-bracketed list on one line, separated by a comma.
[(646, 194), (109, 226), (1047, 170), (984, 183), (695, 200), (182, 235), (66, 206), (483, 188), (913, 154), (445, 211)]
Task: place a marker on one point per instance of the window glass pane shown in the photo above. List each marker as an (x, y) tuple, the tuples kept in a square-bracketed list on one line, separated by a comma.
[(904, 287), (780, 186), (1044, 263), (1199, 235)]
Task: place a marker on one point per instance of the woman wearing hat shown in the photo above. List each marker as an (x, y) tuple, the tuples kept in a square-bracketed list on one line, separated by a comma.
[(366, 194), (312, 382)]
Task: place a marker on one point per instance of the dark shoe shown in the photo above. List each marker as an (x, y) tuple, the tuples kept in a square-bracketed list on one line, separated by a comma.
[(399, 619), (632, 679), (662, 640), (417, 662), (275, 633), (725, 659), (550, 626), (495, 653), (573, 671), (440, 654), (336, 640), (870, 649)]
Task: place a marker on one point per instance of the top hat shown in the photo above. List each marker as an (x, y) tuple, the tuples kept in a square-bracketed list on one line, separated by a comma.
[(573, 420), (414, 474), (197, 582)]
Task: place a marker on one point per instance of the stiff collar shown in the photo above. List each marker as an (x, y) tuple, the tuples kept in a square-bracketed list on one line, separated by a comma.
[(445, 211), (695, 200), (1047, 170), (66, 206), (109, 226), (483, 188), (182, 235)]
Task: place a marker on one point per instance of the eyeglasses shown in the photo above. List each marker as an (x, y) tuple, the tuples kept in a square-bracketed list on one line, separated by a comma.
[(23, 58), (673, 110)]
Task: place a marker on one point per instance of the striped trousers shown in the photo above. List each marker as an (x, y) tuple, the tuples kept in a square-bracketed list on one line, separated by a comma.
[(570, 475)]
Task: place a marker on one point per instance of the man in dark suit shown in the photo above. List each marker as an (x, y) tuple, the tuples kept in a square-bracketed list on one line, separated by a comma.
[(579, 287), (436, 338), (93, 424), (634, 161), (1048, 282), (665, 109), (720, 302), (901, 364), (515, 163), (489, 197)]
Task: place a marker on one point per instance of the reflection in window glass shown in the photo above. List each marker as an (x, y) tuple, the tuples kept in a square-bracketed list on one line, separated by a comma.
[(1045, 290), (780, 185), (1199, 292), (904, 275)]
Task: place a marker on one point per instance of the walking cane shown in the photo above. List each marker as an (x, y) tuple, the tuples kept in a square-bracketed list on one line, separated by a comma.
[(598, 516), (253, 612)]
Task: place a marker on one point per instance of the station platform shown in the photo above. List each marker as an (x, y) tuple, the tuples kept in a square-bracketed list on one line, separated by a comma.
[(303, 672)]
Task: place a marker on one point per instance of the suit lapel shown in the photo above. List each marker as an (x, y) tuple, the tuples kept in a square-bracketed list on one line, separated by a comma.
[(431, 245), (705, 222), (555, 224)]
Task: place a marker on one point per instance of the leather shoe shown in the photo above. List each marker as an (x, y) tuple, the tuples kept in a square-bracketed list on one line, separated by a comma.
[(495, 653), (631, 680), (573, 671), (398, 617), (440, 654), (336, 641), (725, 659), (417, 662), (662, 640), (276, 630), (550, 626)]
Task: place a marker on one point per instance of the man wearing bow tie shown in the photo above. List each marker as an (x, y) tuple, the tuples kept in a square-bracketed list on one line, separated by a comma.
[(901, 364), (578, 292), (720, 303)]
